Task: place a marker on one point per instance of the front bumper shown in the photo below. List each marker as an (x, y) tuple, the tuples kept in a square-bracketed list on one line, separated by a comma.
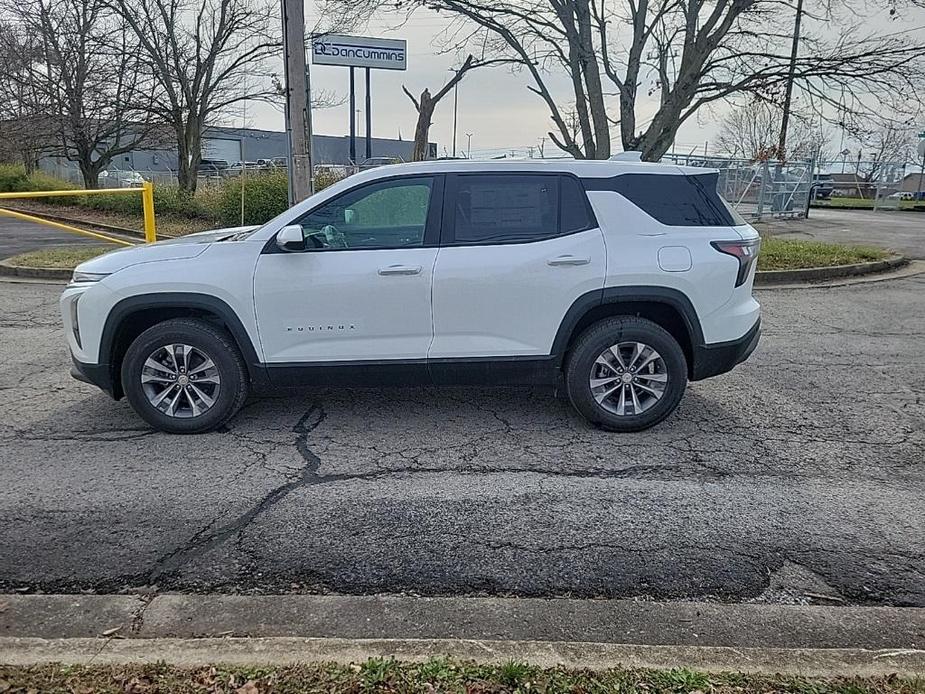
[(99, 375), (715, 359)]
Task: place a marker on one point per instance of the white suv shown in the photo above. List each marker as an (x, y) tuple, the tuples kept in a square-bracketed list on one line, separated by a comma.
[(614, 281)]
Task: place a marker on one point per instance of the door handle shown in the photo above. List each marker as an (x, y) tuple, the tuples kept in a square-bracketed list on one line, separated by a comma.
[(567, 260), (400, 270)]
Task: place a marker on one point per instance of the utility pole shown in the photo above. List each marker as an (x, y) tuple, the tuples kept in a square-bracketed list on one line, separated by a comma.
[(468, 145), (298, 113), (788, 94)]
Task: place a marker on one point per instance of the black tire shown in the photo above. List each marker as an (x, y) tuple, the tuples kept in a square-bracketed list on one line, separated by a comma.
[(599, 337), (212, 341)]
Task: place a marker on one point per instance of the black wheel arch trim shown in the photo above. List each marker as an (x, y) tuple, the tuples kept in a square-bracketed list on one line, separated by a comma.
[(182, 300), (626, 294)]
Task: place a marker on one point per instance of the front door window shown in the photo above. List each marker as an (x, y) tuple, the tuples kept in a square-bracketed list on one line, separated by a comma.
[(390, 214)]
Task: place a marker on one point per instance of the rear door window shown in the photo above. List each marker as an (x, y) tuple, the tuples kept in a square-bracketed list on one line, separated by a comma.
[(515, 208), (673, 199)]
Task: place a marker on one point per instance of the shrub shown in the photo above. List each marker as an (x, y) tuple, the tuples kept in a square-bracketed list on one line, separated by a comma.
[(325, 177), (12, 178), (266, 194)]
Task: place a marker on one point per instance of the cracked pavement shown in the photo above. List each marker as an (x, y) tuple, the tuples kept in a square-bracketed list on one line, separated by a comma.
[(797, 477)]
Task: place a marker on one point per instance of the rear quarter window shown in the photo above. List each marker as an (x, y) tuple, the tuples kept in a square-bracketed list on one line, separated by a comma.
[(673, 199)]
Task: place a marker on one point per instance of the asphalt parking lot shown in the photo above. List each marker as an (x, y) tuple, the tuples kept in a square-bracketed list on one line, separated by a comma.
[(801, 474), (20, 237)]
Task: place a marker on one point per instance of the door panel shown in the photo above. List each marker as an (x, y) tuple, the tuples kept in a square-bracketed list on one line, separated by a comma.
[(509, 299), (344, 305), (361, 289)]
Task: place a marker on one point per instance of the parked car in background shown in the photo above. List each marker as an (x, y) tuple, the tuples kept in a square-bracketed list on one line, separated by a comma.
[(614, 282), (212, 168), (121, 179), (374, 162), (902, 195), (822, 186), (239, 166)]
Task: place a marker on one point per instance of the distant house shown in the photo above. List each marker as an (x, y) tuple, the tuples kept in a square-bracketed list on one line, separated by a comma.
[(912, 183), (850, 185)]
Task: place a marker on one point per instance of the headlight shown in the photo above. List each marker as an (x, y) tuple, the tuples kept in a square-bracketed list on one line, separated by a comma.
[(88, 276)]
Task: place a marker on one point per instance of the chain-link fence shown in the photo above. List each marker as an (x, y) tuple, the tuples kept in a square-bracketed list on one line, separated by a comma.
[(759, 189), (869, 184)]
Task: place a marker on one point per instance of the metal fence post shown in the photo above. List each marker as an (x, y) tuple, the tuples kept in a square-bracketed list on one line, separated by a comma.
[(765, 172), (147, 206)]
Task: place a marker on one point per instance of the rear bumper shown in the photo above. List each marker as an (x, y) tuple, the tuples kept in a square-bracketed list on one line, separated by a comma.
[(99, 375), (715, 359)]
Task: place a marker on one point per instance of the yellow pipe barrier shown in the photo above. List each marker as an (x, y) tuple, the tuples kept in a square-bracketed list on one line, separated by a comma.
[(147, 206), (65, 227)]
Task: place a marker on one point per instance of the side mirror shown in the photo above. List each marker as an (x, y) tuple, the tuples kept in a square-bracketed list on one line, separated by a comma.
[(290, 238)]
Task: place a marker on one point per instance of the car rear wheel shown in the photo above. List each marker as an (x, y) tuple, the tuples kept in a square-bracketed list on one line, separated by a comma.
[(184, 376), (625, 374)]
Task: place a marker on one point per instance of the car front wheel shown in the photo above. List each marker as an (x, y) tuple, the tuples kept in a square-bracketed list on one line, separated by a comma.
[(625, 374), (184, 376)]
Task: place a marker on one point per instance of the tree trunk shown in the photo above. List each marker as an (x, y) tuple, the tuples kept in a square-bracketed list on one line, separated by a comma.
[(189, 156), (91, 175), (422, 128)]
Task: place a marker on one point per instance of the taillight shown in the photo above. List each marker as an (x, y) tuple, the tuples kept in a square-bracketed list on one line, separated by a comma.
[(745, 251)]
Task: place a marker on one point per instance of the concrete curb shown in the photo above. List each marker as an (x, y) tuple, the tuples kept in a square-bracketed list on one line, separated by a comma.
[(238, 629), (481, 618), (43, 273), (822, 274), (595, 656)]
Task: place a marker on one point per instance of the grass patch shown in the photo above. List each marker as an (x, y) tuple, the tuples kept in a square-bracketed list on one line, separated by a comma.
[(436, 675), (866, 203), (60, 257), (792, 254)]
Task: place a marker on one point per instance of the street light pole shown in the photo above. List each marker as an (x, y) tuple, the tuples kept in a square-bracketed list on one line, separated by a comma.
[(918, 195), (455, 111)]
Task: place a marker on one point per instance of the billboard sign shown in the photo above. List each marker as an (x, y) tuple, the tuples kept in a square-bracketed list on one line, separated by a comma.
[(360, 51)]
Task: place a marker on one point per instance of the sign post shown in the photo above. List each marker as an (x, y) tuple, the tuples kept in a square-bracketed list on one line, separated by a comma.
[(369, 120), (365, 52)]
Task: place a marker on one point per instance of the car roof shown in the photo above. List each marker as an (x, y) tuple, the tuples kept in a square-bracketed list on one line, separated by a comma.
[(582, 168)]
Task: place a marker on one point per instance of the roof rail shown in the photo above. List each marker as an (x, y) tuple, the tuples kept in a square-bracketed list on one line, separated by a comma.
[(627, 156)]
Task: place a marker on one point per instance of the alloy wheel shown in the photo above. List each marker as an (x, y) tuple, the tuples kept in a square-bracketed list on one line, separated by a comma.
[(628, 378), (180, 380)]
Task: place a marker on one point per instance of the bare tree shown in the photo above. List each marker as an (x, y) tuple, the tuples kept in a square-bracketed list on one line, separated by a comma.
[(86, 75), (622, 55), (25, 127), (752, 131), (427, 102), (204, 57), (883, 143)]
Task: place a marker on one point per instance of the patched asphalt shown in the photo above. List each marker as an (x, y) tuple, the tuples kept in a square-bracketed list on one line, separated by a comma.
[(800, 476)]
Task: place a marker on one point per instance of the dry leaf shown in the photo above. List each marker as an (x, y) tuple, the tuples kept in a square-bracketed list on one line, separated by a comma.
[(110, 632), (248, 687), (4, 685)]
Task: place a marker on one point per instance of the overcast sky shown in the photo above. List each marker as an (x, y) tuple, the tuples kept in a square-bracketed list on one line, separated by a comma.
[(494, 104)]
